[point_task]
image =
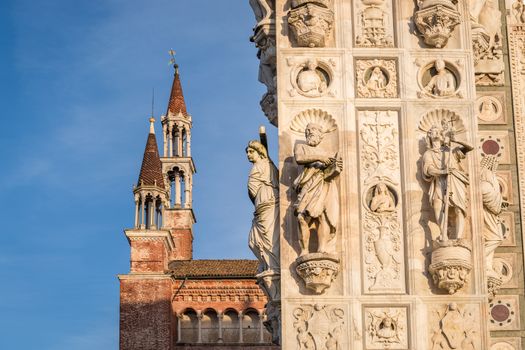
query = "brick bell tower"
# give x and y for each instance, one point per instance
(178, 169)
(162, 231)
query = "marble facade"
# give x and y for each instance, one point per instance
(414, 236)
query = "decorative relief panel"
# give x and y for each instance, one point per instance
(319, 327)
(373, 23)
(386, 328)
(436, 20)
(376, 78)
(455, 327)
(311, 77)
(490, 108)
(439, 79)
(495, 143)
(504, 313)
(487, 42)
(382, 237)
(311, 22)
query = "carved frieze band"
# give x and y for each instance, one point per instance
(382, 242)
(517, 67)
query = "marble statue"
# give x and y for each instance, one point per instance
(309, 81)
(442, 168)
(318, 198)
(263, 189)
(443, 83)
(493, 204)
(382, 200)
(377, 80)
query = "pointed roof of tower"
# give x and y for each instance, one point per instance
(151, 169)
(176, 103)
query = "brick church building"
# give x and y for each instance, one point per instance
(168, 300)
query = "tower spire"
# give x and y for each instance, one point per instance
(176, 103)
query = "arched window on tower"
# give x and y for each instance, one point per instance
(176, 178)
(184, 143)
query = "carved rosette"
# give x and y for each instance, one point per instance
(319, 327)
(451, 264)
(311, 22)
(436, 21)
(318, 270)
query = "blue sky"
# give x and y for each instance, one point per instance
(76, 80)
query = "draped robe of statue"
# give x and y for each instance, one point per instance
(436, 159)
(318, 194)
(263, 189)
(492, 205)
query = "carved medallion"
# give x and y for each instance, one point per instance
(439, 79)
(376, 78)
(386, 328)
(489, 110)
(311, 77)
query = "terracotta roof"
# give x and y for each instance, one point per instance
(214, 268)
(176, 103)
(151, 169)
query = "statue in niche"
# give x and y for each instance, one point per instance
(318, 198)
(518, 11)
(493, 204)
(442, 168)
(377, 80)
(382, 200)
(443, 84)
(309, 80)
(263, 189)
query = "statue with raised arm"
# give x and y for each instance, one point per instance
(317, 204)
(448, 180)
(263, 190)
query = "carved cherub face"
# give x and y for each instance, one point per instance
(314, 134)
